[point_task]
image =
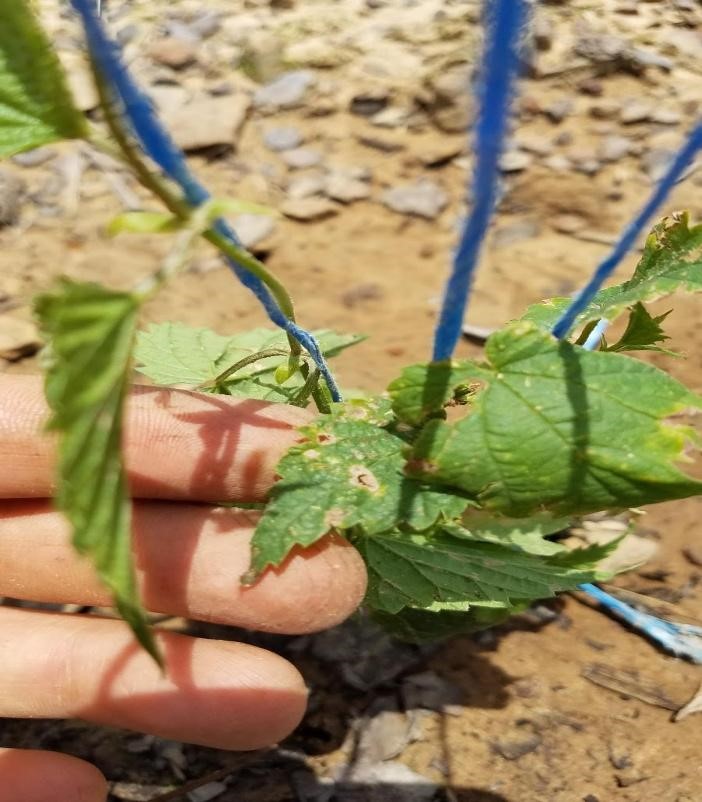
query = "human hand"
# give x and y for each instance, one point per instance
(182, 449)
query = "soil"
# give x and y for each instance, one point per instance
(527, 724)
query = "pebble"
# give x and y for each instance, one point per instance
(301, 158)
(18, 338)
(605, 110)
(665, 117)
(12, 189)
(316, 51)
(534, 143)
(635, 111)
(391, 117)
(614, 147)
(559, 110)
(515, 749)
(424, 198)
(286, 91)
(34, 157)
(345, 188)
(512, 233)
(514, 161)
(430, 691)
(206, 792)
(173, 52)
(206, 23)
(253, 229)
(389, 781)
(308, 209)
(656, 161)
(567, 223)
(207, 121)
(282, 137)
(306, 185)
(366, 104)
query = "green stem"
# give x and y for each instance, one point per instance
(242, 363)
(183, 211)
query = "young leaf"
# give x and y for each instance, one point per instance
(643, 332)
(671, 261)
(526, 534)
(172, 353)
(562, 430)
(143, 223)
(418, 625)
(424, 390)
(91, 332)
(420, 571)
(35, 105)
(347, 473)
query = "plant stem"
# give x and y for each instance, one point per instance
(242, 363)
(159, 187)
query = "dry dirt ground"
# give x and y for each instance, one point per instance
(509, 715)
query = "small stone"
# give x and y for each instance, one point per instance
(34, 157)
(285, 92)
(388, 781)
(516, 749)
(174, 53)
(665, 117)
(18, 338)
(12, 189)
(424, 198)
(207, 121)
(383, 144)
(308, 209)
(440, 154)
(301, 158)
(430, 691)
(345, 188)
(559, 110)
(515, 232)
(602, 48)
(591, 86)
(206, 23)
(361, 293)
(307, 185)
(369, 103)
(655, 162)
(126, 34)
(391, 117)
(558, 163)
(605, 110)
(253, 229)
(534, 143)
(567, 223)
(282, 137)
(613, 148)
(635, 111)
(316, 51)
(514, 161)
(206, 792)
(542, 32)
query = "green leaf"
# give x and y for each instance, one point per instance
(422, 625)
(671, 261)
(424, 390)
(421, 571)
(175, 354)
(143, 223)
(347, 473)
(35, 105)
(91, 333)
(643, 332)
(526, 534)
(562, 430)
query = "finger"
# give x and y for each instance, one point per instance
(178, 444)
(29, 776)
(214, 693)
(190, 560)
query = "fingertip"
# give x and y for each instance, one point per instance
(31, 776)
(314, 589)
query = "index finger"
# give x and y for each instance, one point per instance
(178, 444)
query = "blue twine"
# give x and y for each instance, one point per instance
(160, 147)
(682, 640)
(500, 65)
(631, 233)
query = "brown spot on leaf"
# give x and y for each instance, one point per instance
(365, 478)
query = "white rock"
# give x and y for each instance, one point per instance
(514, 161)
(301, 158)
(253, 228)
(207, 121)
(286, 91)
(345, 188)
(424, 198)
